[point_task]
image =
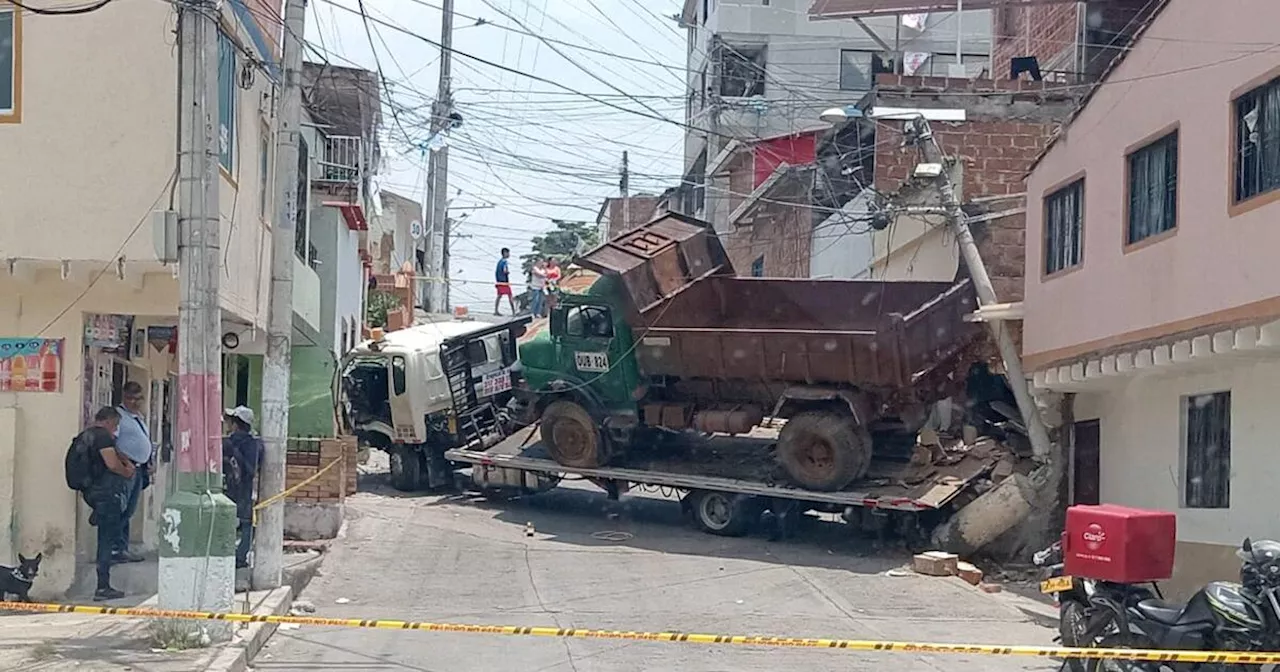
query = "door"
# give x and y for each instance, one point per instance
(588, 347)
(1087, 463)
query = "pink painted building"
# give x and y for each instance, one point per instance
(1153, 278)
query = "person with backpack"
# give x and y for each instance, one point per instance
(103, 477)
(241, 451)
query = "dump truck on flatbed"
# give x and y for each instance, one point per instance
(656, 335)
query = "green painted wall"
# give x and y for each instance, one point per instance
(310, 392)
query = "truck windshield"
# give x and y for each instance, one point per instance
(365, 386)
(589, 322)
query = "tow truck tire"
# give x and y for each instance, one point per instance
(723, 514)
(571, 436)
(406, 469)
(824, 451)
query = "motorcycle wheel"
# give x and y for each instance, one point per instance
(1073, 622)
(1118, 640)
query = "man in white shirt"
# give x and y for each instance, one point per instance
(133, 442)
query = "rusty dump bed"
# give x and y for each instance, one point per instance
(695, 319)
(744, 464)
(865, 333)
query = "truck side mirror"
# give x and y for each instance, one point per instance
(558, 320)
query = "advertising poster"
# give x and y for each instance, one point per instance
(30, 364)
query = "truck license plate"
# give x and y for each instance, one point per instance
(597, 362)
(495, 383)
(1057, 584)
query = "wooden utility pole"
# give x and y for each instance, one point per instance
(438, 162)
(268, 543)
(197, 537)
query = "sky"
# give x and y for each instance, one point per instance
(528, 151)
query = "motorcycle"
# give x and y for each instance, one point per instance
(1222, 616)
(1080, 622)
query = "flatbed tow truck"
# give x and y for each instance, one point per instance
(908, 498)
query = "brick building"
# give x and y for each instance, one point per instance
(1073, 42)
(1006, 126)
(613, 218)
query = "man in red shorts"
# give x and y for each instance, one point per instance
(502, 280)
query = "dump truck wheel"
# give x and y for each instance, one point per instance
(571, 436)
(406, 469)
(823, 451)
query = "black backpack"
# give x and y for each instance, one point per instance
(78, 464)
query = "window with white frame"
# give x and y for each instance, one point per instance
(8, 60)
(226, 100)
(1206, 451)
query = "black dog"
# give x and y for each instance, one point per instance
(17, 580)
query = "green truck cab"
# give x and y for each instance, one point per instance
(654, 333)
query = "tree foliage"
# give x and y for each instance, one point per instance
(564, 242)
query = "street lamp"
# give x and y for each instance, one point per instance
(839, 115)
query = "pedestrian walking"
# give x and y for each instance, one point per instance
(537, 288)
(102, 476)
(502, 280)
(241, 453)
(133, 442)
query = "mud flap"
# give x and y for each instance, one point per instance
(439, 473)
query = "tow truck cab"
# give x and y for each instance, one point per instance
(418, 392)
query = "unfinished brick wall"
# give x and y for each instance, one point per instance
(785, 242)
(303, 460)
(1048, 32)
(402, 286)
(1007, 125)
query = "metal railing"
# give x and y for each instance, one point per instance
(342, 161)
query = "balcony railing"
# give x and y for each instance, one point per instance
(342, 161)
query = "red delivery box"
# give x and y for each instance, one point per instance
(1116, 543)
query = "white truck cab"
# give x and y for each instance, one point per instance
(396, 393)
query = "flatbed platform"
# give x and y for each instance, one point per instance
(745, 465)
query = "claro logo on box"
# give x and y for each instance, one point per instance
(1094, 536)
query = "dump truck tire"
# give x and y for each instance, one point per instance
(823, 451)
(571, 436)
(406, 469)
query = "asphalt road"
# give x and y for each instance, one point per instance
(456, 559)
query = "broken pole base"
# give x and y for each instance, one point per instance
(990, 515)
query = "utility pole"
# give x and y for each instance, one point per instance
(268, 542)
(198, 533)
(626, 196)
(1042, 448)
(438, 163)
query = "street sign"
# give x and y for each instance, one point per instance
(415, 230)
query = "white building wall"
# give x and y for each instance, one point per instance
(1142, 429)
(841, 246)
(350, 286)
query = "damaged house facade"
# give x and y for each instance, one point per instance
(1151, 281)
(760, 164)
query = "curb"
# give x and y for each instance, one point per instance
(249, 641)
(1045, 615)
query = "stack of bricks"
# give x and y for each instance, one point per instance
(330, 488)
(402, 286)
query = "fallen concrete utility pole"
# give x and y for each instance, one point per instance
(1012, 500)
(268, 542)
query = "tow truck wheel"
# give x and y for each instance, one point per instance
(406, 469)
(824, 451)
(571, 436)
(722, 513)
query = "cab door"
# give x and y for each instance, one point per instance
(588, 344)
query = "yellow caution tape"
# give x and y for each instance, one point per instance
(1235, 657)
(289, 491)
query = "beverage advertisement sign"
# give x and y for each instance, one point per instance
(30, 364)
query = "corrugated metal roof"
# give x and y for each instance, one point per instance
(659, 259)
